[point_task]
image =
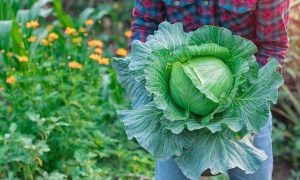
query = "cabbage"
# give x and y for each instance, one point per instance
(198, 97)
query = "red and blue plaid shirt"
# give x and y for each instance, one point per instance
(262, 21)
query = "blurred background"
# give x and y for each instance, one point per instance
(59, 94)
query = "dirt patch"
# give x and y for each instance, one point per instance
(281, 171)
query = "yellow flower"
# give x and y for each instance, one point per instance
(32, 24)
(89, 22)
(98, 50)
(75, 65)
(52, 36)
(128, 33)
(49, 27)
(82, 30)
(13, 69)
(70, 30)
(11, 80)
(45, 42)
(32, 39)
(95, 57)
(95, 43)
(77, 40)
(86, 34)
(122, 52)
(23, 59)
(104, 61)
(2, 51)
(9, 54)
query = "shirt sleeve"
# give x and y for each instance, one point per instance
(147, 14)
(271, 29)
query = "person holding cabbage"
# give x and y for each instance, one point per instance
(264, 22)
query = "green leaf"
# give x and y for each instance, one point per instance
(36, 8)
(239, 48)
(64, 18)
(5, 29)
(136, 90)
(217, 153)
(253, 104)
(84, 15)
(186, 52)
(144, 125)
(23, 16)
(15, 34)
(168, 36)
(157, 83)
(267, 84)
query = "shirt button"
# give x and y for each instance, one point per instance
(176, 3)
(206, 3)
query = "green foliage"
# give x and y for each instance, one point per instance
(58, 103)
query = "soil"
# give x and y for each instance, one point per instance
(281, 171)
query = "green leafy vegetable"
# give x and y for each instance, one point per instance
(193, 92)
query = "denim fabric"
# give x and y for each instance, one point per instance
(168, 170)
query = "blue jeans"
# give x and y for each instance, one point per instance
(168, 170)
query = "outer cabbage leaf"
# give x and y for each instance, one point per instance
(217, 153)
(168, 36)
(187, 52)
(136, 90)
(144, 125)
(239, 48)
(157, 83)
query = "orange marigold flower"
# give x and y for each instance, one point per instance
(98, 50)
(89, 22)
(52, 36)
(32, 39)
(9, 54)
(1, 88)
(128, 33)
(95, 43)
(70, 30)
(49, 27)
(32, 24)
(11, 80)
(75, 65)
(23, 59)
(95, 57)
(82, 30)
(77, 40)
(122, 52)
(45, 42)
(104, 61)
(76, 33)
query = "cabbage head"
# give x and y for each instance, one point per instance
(198, 98)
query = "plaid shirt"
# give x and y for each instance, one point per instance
(262, 21)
